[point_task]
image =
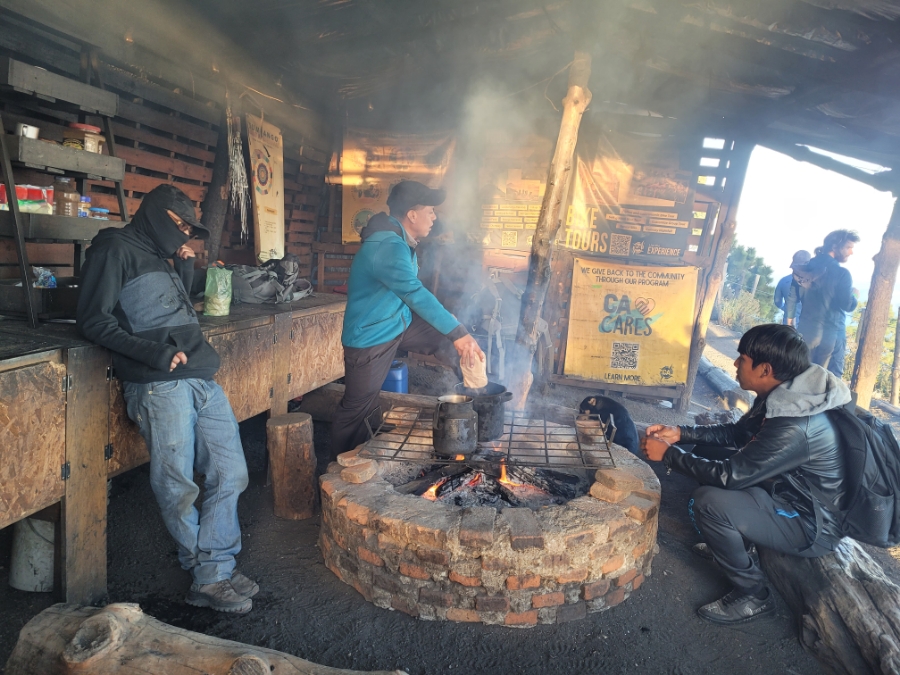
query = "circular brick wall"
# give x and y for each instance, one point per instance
(510, 566)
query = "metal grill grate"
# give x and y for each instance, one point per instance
(528, 441)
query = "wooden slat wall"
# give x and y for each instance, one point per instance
(166, 134)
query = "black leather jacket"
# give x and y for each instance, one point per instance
(779, 454)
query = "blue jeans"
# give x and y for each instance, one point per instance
(189, 426)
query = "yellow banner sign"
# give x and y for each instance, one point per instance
(630, 324)
(267, 187)
(373, 162)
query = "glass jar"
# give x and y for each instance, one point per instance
(84, 208)
(99, 214)
(66, 198)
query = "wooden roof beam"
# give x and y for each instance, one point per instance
(886, 181)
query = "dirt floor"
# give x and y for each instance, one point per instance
(303, 609)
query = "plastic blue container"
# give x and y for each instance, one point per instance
(397, 379)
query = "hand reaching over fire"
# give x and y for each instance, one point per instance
(468, 350)
(657, 440)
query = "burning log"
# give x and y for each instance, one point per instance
(70, 639)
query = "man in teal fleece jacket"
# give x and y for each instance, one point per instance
(388, 309)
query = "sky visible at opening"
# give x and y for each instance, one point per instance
(788, 205)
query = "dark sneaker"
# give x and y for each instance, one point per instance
(244, 585)
(736, 607)
(219, 596)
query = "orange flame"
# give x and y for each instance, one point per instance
(431, 493)
(459, 458)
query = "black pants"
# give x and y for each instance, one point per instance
(730, 520)
(364, 372)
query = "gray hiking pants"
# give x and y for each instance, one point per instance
(365, 370)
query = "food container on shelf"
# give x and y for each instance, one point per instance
(83, 137)
(28, 130)
(99, 214)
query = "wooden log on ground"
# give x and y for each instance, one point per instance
(120, 638)
(848, 610)
(293, 460)
(578, 97)
(725, 386)
(875, 321)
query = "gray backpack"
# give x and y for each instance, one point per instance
(276, 281)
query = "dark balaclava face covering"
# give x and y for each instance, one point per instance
(155, 226)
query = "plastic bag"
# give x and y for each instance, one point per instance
(44, 278)
(217, 297)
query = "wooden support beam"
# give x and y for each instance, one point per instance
(215, 206)
(873, 327)
(885, 181)
(711, 283)
(83, 540)
(577, 99)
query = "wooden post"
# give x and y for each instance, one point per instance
(292, 458)
(215, 206)
(83, 523)
(713, 280)
(874, 324)
(895, 370)
(576, 101)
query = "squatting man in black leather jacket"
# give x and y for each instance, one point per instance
(760, 494)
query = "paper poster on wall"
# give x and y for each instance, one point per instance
(630, 324)
(630, 197)
(266, 187)
(373, 162)
(512, 180)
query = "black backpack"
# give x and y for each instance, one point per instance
(872, 477)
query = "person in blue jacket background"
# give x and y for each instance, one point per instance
(783, 287)
(388, 309)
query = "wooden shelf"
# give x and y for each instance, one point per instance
(46, 156)
(54, 228)
(53, 88)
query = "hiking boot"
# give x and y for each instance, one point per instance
(737, 607)
(219, 596)
(244, 585)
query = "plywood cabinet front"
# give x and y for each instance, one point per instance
(32, 439)
(246, 371)
(317, 356)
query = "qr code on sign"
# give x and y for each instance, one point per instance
(620, 244)
(625, 355)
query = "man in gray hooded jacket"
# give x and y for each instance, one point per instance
(760, 494)
(136, 304)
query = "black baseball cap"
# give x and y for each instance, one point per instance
(408, 194)
(181, 205)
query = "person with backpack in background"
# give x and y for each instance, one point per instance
(136, 304)
(826, 291)
(388, 309)
(784, 451)
(783, 287)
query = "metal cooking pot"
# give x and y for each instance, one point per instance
(454, 431)
(489, 403)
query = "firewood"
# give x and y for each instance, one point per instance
(120, 638)
(848, 610)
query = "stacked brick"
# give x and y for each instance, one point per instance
(511, 566)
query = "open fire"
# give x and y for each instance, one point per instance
(525, 530)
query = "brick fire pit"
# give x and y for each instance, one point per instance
(510, 566)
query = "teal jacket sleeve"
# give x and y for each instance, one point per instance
(393, 267)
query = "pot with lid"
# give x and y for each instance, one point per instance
(490, 403)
